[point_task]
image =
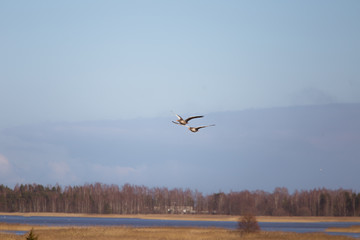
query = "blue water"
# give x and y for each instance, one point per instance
(137, 222)
(14, 232)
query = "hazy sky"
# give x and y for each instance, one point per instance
(76, 61)
(85, 60)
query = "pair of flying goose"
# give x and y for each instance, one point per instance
(184, 122)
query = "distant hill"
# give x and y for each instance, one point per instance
(296, 147)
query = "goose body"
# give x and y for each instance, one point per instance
(182, 121)
(195, 129)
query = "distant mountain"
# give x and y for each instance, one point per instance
(296, 147)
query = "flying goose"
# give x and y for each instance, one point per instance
(181, 121)
(195, 129)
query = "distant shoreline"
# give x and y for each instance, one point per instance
(188, 217)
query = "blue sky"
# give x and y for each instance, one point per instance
(77, 62)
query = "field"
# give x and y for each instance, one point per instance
(168, 233)
(164, 233)
(352, 229)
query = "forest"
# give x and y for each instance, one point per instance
(133, 199)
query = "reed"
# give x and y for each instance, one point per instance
(7, 236)
(351, 229)
(163, 233)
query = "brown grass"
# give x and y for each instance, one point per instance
(351, 229)
(307, 219)
(162, 233)
(195, 217)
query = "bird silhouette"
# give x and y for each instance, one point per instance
(182, 121)
(195, 129)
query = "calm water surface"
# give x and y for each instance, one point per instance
(137, 222)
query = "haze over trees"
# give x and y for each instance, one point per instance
(305, 147)
(133, 199)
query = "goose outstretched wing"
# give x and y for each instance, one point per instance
(180, 118)
(205, 126)
(188, 119)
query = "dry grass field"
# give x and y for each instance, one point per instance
(169, 233)
(352, 229)
(159, 233)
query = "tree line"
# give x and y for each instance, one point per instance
(133, 199)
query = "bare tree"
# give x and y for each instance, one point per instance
(132, 199)
(248, 224)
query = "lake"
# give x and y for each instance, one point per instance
(137, 222)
